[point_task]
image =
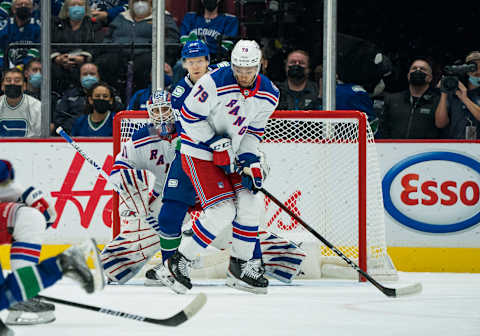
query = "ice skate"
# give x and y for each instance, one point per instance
(33, 311)
(73, 263)
(247, 276)
(178, 266)
(160, 276)
(4, 330)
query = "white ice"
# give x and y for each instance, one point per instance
(448, 305)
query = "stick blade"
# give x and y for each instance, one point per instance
(187, 313)
(409, 290)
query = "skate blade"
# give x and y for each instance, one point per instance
(175, 286)
(234, 283)
(29, 318)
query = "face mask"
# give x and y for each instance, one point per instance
(35, 80)
(474, 80)
(23, 13)
(141, 8)
(101, 106)
(418, 78)
(210, 5)
(76, 12)
(13, 91)
(88, 81)
(296, 72)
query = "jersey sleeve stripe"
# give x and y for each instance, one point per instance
(228, 88)
(273, 102)
(268, 94)
(190, 117)
(154, 140)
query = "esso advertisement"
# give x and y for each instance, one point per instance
(434, 192)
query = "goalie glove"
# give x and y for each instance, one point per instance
(35, 198)
(223, 155)
(251, 171)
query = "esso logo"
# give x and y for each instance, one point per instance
(435, 192)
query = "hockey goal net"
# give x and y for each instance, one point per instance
(324, 167)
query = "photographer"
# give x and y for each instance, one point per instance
(459, 106)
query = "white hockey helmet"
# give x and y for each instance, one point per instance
(159, 107)
(246, 53)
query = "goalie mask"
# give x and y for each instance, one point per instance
(160, 112)
(245, 60)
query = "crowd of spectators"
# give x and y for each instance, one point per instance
(111, 70)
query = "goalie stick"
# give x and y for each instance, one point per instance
(80, 151)
(390, 292)
(185, 314)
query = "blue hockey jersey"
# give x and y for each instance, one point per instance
(10, 32)
(84, 127)
(195, 27)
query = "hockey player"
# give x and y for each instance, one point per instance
(24, 216)
(145, 158)
(223, 120)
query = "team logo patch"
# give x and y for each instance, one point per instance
(221, 185)
(178, 92)
(172, 183)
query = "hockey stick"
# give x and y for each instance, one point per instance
(391, 292)
(185, 314)
(67, 137)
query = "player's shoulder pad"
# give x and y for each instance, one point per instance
(266, 85)
(144, 132)
(222, 76)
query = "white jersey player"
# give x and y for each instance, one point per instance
(25, 214)
(145, 158)
(223, 121)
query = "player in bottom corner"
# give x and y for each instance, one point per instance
(223, 120)
(24, 216)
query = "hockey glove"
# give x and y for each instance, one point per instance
(35, 198)
(223, 155)
(251, 172)
(6, 172)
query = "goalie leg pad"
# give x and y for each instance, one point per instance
(134, 196)
(124, 257)
(282, 258)
(170, 222)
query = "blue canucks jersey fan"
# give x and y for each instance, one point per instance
(210, 25)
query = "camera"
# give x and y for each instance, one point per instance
(453, 72)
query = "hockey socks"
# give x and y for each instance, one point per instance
(24, 254)
(170, 220)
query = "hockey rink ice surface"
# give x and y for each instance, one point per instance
(448, 305)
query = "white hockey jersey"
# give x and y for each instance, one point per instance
(217, 106)
(146, 150)
(23, 120)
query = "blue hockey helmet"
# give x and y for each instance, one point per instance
(195, 49)
(6, 171)
(159, 107)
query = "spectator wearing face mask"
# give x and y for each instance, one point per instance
(33, 75)
(72, 103)
(73, 25)
(297, 92)
(20, 114)
(99, 112)
(20, 27)
(410, 114)
(129, 71)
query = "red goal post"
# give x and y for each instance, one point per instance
(324, 166)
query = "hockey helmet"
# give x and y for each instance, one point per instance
(196, 48)
(6, 171)
(159, 107)
(246, 53)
